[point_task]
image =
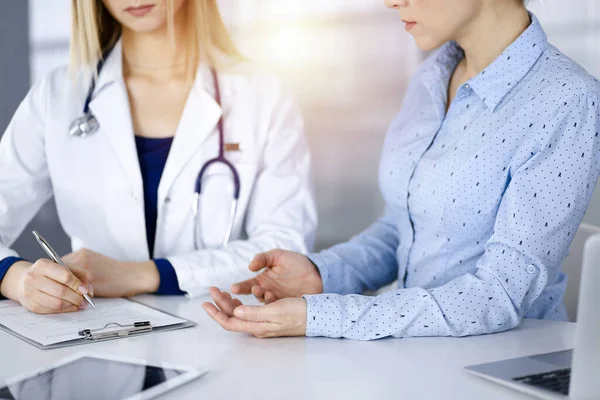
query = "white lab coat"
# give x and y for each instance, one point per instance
(98, 188)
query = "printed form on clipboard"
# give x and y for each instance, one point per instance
(112, 319)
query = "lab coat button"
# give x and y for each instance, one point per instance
(531, 269)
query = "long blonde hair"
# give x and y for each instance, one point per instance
(94, 31)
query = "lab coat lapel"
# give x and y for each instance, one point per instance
(111, 109)
(110, 106)
(198, 120)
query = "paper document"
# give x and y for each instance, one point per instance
(58, 328)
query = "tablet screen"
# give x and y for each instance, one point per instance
(91, 379)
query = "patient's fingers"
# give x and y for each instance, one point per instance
(270, 298)
(223, 301)
(237, 303)
(259, 293)
(244, 287)
(265, 260)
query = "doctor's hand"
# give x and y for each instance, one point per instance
(285, 317)
(46, 287)
(286, 274)
(114, 278)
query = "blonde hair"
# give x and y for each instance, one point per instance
(94, 31)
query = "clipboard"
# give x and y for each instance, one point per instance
(111, 331)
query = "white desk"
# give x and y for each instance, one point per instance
(243, 367)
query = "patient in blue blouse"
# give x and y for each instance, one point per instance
(486, 174)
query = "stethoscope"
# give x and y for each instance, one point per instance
(87, 124)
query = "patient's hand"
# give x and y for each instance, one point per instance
(285, 317)
(286, 274)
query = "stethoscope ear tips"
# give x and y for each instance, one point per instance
(83, 126)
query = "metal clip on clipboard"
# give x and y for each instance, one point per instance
(121, 331)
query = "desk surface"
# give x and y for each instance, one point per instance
(244, 367)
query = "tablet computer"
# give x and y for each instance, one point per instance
(95, 376)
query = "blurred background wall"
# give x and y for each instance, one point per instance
(347, 61)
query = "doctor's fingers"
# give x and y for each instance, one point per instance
(61, 275)
(86, 277)
(37, 308)
(43, 303)
(33, 286)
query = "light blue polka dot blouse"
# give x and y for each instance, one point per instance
(482, 202)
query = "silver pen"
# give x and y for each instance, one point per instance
(52, 254)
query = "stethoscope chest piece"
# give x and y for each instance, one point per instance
(85, 125)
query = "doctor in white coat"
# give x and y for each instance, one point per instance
(170, 85)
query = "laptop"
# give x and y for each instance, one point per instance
(566, 374)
